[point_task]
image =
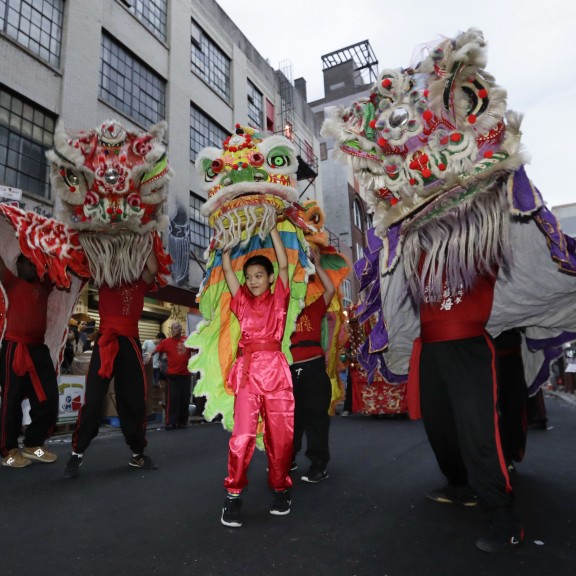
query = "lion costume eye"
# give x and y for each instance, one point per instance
(71, 178)
(211, 168)
(279, 157)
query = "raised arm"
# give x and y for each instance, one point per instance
(281, 256)
(229, 274)
(150, 268)
(329, 289)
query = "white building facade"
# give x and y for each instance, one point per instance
(140, 62)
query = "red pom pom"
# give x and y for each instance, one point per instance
(455, 137)
(382, 142)
(426, 173)
(386, 83)
(488, 154)
(427, 115)
(393, 201)
(412, 181)
(472, 118)
(372, 123)
(442, 166)
(483, 93)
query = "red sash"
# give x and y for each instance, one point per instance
(23, 364)
(109, 330)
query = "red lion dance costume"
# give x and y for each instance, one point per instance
(112, 185)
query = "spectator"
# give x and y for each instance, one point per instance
(179, 379)
(149, 355)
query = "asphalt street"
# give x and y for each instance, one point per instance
(369, 518)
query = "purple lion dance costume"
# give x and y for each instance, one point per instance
(440, 159)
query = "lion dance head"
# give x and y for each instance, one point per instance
(111, 182)
(248, 183)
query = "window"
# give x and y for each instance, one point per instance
(269, 116)
(346, 290)
(129, 85)
(210, 63)
(36, 24)
(255, 106)
(359, 251)
(323, 151)
(204, 132)
(152, 13)
(199, 229)
(358, 219)
(26, 132)
(310, 157)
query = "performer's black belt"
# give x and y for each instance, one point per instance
(306, 344)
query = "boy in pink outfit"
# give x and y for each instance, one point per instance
(260, 378)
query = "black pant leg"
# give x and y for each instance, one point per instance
(299, 390)
(90, 414)
(185, 389)
(312, 396)
(130, 385)
(11, 408)
(438, 416)
(43, 413)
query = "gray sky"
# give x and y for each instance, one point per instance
(531, 53)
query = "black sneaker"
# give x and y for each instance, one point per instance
(72, 466)
(143, 462)
(315, 474)
(231, 512)
(281, 503)
(502, 537)
(293, 466)
(459, 495)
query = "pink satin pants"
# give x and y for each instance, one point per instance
(277, 409)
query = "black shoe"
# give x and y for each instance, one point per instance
(502, 537)
(231, 512)
(281, 503)
(72, 466)
(143, 462)
(293, 466)
(315, 474)
(459, 495)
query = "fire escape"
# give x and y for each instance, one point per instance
(307, 160)
(363, 57)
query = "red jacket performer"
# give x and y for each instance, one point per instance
(179, 381)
